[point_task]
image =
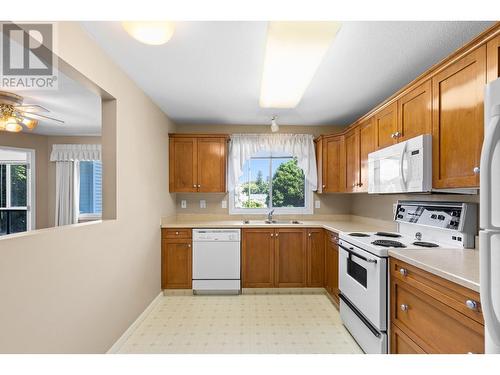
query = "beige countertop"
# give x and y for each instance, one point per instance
(460, 266)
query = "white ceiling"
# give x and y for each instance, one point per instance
(210, 72)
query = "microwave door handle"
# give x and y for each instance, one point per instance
(401, 160)
(491, 139)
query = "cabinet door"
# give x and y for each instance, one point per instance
(211, 165)
(366, 145)
(386, 125)
(402, 344)
(290, 261)
(332, 164)
(176, 264)
(318, 144)
(352, 163)
(457, 123)
(493, 59)
(415, 112)
(257, 258)
(332, 265)
(315, 257)
(182, 165)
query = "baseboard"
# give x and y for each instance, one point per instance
(283, 291)
(119, 343)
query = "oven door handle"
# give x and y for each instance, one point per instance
(367, 260)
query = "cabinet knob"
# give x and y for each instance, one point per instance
(324, 186)
(403, 271)
(199, 185)
(397, 135)
(189, 245)
(272, 234)
(194, 185)
(476, 170)
(177, 233)
(309, 234)
(404, 307)
(393, 135)
(471, 304)
(277, 234)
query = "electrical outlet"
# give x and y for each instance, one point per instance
(317, 204)
(183, 203)
(203, 203)
(223, 204)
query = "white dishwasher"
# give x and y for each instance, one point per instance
(216, 261)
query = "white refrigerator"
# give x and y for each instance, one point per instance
(489, 235)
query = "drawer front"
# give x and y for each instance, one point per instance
(332, 237)
(437, 327)
(461, 299)
(176, 233)
(401, 343)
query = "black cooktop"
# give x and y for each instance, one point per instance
(425, 244)
(355, 234)
(387, 234)
(388, 243)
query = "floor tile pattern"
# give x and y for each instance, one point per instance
(248, 323)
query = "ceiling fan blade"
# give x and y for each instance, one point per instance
(37, 116)
(31, 108)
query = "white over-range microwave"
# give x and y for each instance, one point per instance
(405, 167)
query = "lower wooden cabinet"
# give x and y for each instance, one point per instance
(176, 259)
(332, 265)
(257, 258)
(315, 257)
(431, 315)
(290, 261)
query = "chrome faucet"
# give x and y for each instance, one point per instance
(270, 215)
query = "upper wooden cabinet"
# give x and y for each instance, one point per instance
(197, 163)
(352, 160)
(415, 112)
(366, 145)
(493, 59)
(457, 122)
(330, 164)
(386, 125)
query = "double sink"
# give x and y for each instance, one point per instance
(253, 222)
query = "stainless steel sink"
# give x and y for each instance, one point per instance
(271, 222)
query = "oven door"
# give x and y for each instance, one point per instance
(363, 281)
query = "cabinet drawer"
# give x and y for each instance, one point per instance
(176, 233)
(332, 237)
(451, 294)
(437, 327)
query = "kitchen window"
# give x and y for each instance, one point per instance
(90, 191)
(271, 181)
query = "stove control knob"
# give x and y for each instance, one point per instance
(403, 272)
(472, 305)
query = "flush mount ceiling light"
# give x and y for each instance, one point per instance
(274, 124)
(14, 116)
(150, 32)
(293, 53)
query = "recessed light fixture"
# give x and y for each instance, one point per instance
(294, 51)
(150, 32)
(274, 124)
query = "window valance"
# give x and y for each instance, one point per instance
(76, 152)
(243, 146)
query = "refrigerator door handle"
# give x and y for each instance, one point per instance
(490, 316)
(491, 138)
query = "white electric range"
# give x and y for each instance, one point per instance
(363, 273)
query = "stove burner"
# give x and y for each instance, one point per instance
(387, 243)
(359, 234)
(386, 234)
(425, 244)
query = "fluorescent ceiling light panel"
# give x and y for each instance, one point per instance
(294, 51)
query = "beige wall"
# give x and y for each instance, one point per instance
(77, 288)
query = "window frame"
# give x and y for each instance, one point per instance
(308, 197)
(85, 217)
(30, 185)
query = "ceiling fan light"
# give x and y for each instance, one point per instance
(30, 123)
(12, 125)
(274, 125)
(2, 124)
(150, 32)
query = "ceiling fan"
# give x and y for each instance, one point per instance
(16, 116)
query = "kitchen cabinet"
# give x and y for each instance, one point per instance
(176, 259)
(197, 163)
(415, 112)
(290, 261)
(493, 59)
(332, 265)
(366, 145)
(332, 164)
(457, 124)
(386, 125)
(315, 257)
(257, 258)
(352, 162)
(431, 314)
